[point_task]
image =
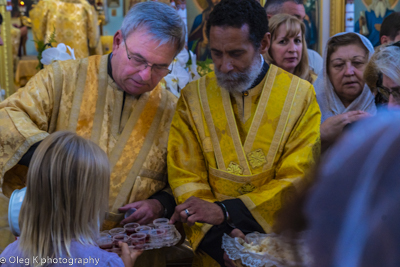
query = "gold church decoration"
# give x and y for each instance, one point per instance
(6, 58)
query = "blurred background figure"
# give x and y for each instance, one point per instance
(382, 75)
(390, 29)
(342, 94)
(353, 210)
(74, 22)
(288, 49)
(371, 20)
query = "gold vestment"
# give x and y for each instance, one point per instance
(256, 148)
(80, 96)
(74, 21)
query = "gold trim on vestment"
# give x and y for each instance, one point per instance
(22, 149)
(101, 100)
(209, 120)
(283, 120)
(126, 133)
(57, 92)
(89, 98)
(238, 178)
(257, 216)
(190, 187)
(130, 102)
(261, 107)
(78, 94)
(144, 151)
(117, 107)
(234, 133)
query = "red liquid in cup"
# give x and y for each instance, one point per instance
(118, 238)
(106, 246)
(130, 231)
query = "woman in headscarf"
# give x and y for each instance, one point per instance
(342, 94)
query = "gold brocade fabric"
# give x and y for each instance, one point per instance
(75, 23)
(89, 103)
(256, 147)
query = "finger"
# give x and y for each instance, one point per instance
(196, 218)
(175, 218)
(228, 262)
(135, 205)
(124, 248)
(183, 216)
(237, 233)
(135, 217)
(135, 254)
(358, 117)
(182, 207)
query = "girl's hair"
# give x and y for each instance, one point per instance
(343, 40)
(293, 27)
(66, 197)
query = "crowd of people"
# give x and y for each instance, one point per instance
(95, 137)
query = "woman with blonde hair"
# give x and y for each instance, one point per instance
(65, 203)
(288, 49)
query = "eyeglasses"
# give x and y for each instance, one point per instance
(142, 64)
(386, 92)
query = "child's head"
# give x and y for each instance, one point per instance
(66, 196)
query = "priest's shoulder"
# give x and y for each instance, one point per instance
(192, 87)
(304, 85)
(92, 64)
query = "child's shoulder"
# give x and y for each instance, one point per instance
(94, 256)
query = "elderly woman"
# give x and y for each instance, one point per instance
(342, 94)
(382, 75)
(288, 48)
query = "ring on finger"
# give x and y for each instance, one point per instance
(188, 213)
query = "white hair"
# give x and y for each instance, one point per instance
(387, 61)
(161, 20)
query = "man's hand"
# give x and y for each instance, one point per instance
(146, 211)
(235, 233)
(199, 211)
(333, 126)
(128, 256)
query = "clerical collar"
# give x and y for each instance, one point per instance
(260, 77)
(109, 67)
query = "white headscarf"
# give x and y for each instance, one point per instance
(329, 102)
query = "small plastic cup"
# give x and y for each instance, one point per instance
(105, 243)
(129, 212)
(169, 234)
(138, 240)
(157, 238)
(105, 234)
(130, 228)
(144, 229)
(160, 221)
(117, 231)
(120, 237)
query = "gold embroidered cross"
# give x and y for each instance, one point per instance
(246, 188)
(256, 158)
(235, 168)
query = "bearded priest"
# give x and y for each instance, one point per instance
(242, 137)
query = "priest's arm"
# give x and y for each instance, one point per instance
(24, 121)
